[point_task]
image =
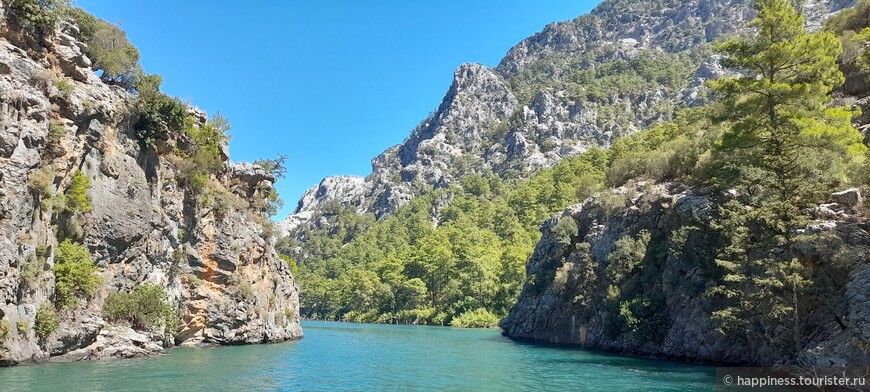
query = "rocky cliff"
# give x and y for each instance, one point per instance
(575, 84)
(569, 296)
(345, 190)
(222, 276)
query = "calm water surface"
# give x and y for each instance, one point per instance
(362, 357)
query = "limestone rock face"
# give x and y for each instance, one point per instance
(445, 145)
(224, 279)
(573, 311)
(345, 190)
(530, 112)
(672, 26)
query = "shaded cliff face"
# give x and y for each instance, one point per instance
(656, 241)
(574, 85)
(222, 276)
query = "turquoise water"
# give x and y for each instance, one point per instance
(363, 357)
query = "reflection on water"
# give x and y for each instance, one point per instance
(336, 356)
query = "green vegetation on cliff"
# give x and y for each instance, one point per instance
(38, 16)
(46, 321)
(147, 306)
(76, 197)
(112, 54)
(407, 268)
(456, 255)
(75, 274)
(454, 251)
(785, 148)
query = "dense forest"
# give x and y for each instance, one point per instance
(777, 135)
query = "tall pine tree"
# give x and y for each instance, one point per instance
(786, 148)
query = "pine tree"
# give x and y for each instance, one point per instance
(77, 197)
(786, 148)
(786, 140)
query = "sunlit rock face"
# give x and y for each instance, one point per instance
(224, 279)
(533, 109)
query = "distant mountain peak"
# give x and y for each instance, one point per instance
(552, 97)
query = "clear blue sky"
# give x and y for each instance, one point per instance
(331, 84)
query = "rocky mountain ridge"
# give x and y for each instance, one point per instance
(223, 278)
(552, 97)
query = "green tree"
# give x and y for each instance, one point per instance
(276, 166)
(321, 295)
(146, 307)
(158, 113)
(565, 230)
(477, 254)
(584, 272)
(512, 274)
(785, 149)
(148, 87)
(77, 197)
(273, 202)
(46, 321)
(74, 272)
(39, 16)
(113, 54)
(786, 140)
(362, 291)
(432, 261)
(627, 255)
(410, 294)
(477, 318)
(294, 268)
(207, 140)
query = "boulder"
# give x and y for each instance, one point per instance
(849, 197)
